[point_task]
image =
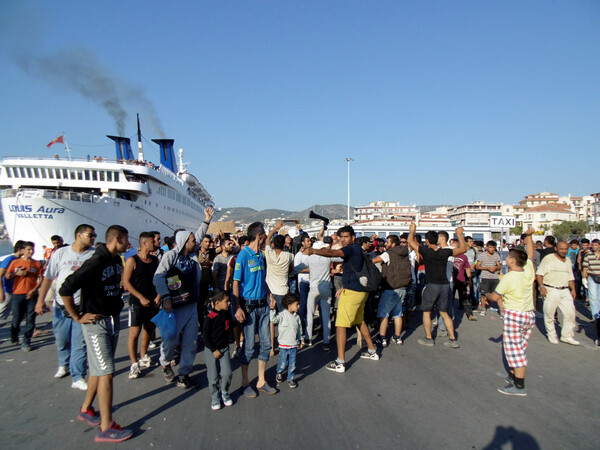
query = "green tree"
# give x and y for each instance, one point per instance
(517, 231)
(568, 229)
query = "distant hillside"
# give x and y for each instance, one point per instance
(247, 215)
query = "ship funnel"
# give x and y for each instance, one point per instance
(167, 156)
(123, 147)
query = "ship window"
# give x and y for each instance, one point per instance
(80, 174)
(9, 172)
(21, 172)
(109, 176)
(87, 175)
(29, 172)
(101, 175)
(94, 175)
(36, 172)
(50, 173)
(72, 175)
(65, 174)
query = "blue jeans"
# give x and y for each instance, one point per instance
(391, 303)
(215, 368)
(186, 318)
(70, 343)
(5, 307)
(256, 320)
(22, 307)
(594, 297)
(287, 360)
(303, 289)
(319, 295)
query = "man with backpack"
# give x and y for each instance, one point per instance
(396, 278)
(359, 277)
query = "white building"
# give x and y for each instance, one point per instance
(473, 214)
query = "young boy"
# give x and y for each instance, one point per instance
(290, 334)
(515, 299)
(216, 351)
(490, 264)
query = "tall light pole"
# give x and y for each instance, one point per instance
(349, 160)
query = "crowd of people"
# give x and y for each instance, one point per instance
(214, 291)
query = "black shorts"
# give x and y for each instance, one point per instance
(436, 294)
(488, 285)
(140, 315)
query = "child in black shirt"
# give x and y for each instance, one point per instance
(216, 352)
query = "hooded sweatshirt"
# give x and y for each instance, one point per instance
(189, 265)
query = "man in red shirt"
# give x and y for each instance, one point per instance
(27, 275)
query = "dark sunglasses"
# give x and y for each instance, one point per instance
(90, 235)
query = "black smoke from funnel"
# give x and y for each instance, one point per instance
(80, 71)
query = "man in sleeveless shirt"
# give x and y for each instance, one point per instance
(143, 301)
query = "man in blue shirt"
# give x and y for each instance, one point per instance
(7, 285)
(252, 308)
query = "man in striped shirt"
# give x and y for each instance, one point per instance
(591, 281)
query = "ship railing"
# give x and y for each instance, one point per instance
(52, 195)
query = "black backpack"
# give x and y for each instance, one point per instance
(369, 276)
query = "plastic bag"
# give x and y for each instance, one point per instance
(166, 324)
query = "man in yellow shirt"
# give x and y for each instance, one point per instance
(515, 299)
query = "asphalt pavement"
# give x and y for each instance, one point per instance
(413, 397)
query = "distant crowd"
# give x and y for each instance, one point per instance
(207, 292)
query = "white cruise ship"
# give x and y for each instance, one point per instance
(46, 196)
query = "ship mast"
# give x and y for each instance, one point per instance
(139, 133)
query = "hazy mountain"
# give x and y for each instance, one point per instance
(247, 215)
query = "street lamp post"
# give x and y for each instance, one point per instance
(349, 160)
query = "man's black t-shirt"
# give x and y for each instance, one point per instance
(353, 263)
(435, 262)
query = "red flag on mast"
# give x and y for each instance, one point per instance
(58, 140)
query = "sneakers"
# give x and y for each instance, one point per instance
(569, 340)
(452, 343)
(267, 389)
(26, 347)
(482, 313)
(553, 340)
(309, 343)
(90, 415)
(80, 384)
(597, 342)
(473, 318)
(226, 399)
(168, 374)
(236, 352)
(396, 340)
(62, 372)
(369, 355)
(434, 321)
(184, 381)
(427, 342)
(334, 366)
(442, 333)
(215, 405)
(114, 433)
(146, 362)
(293, 384)
(509, 379)
(134, 371)
(511, 389)
(381, 341)
(279, 378)
(151, 345)
(326, 347)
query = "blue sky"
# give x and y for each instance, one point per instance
(437, 102)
